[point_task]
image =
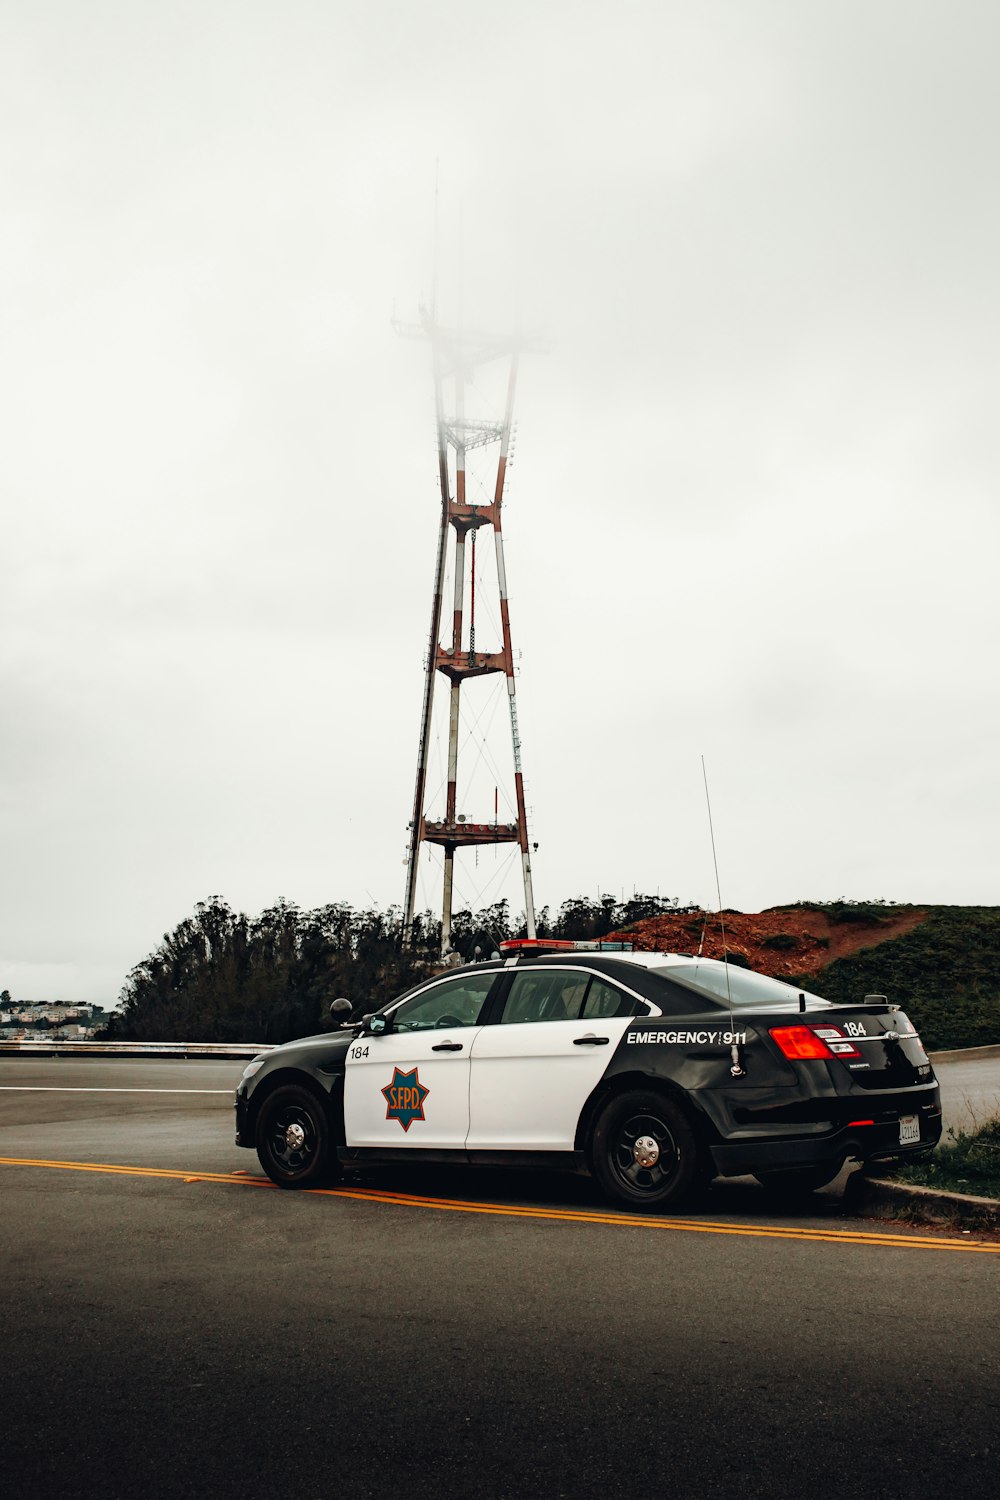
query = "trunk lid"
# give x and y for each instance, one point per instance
(876, 1044)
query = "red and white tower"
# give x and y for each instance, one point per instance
(461, 658)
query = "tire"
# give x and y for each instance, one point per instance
(293, 1138)
(794, 1180)
(620, 1149)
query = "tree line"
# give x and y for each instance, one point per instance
(223, 976)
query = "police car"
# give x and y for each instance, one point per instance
(654, 1071)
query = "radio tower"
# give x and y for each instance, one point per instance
(455, 357)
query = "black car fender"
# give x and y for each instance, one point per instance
(327, 1085)
(614, 1084)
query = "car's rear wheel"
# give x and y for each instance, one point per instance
(293, 1138)
(799, 1179)
(644, 1151)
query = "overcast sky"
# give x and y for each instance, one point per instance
(753, 511)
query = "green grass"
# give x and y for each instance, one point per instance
(966, 1161)
(945, 973)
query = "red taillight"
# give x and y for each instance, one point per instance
(805, 1042)
(837, 1041)
(799, 1042)
(852, 1123)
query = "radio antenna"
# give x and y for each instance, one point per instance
(737, 1069)
(434, 267)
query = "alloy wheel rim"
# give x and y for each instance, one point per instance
(645, 1156)
(293, 1138)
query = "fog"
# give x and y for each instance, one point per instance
(752, 514)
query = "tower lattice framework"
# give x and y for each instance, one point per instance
(455, 357)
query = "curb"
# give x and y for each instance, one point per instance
(866, 1195)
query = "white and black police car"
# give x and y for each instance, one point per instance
(654, 1071)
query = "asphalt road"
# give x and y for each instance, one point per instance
(179, 1330)
(970, 1090)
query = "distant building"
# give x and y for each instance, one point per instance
(35, 1020)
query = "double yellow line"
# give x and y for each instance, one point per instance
(964, 1245)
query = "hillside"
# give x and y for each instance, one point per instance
(942, 963)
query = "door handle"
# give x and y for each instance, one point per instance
(590, 1040)
(447, 1047)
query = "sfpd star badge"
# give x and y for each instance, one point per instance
(404, 1098)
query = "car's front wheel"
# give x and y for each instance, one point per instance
(644, 1151)
(293, 1138)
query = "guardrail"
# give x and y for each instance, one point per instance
(965, 1054)
(251, 1049)
(220, 1050)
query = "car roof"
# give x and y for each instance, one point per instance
(599, 958)
(716, 982)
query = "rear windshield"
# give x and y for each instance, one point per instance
(738, 986)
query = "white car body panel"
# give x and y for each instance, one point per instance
(530, 1081)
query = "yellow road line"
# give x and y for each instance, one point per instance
(558, 1215)
(123, 1170)
(703, 1226)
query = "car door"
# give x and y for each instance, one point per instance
(409, 1088)
(533, 1072)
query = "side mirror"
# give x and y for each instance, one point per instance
(375, 1025)
(341, 1009)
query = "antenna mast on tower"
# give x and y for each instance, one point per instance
(455, 356)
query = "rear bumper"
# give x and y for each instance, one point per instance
(878, 1142)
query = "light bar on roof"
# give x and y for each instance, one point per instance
(562, 945)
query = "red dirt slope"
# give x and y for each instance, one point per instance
(792, 940)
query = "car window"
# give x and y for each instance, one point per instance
(453, 1002)
(545, 995)
(603, 1001)
(738, 986)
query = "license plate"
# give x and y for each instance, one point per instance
(909, 1130)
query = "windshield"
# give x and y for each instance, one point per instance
(738, 986)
